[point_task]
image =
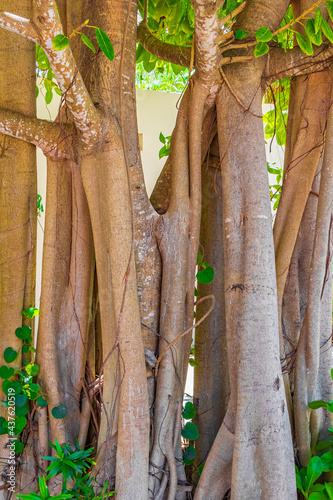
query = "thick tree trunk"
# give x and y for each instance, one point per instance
(18, 197)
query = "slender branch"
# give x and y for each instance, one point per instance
(165, 51)
(50, 137)
(18, 25)
(294, 62)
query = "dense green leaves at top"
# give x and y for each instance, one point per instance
(105, 43)
(60, 42)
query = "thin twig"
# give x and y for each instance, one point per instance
(236, 96)
(188, 330)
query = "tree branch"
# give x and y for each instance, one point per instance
(166, 51)
(294, 62)
(50, 137)
(44, 26)
(18, 25)
(86, 117)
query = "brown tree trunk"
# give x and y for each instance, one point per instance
(18, 195)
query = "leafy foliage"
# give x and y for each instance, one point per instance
(72, 465)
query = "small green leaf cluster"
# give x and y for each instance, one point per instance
(205, 273)
(161, 76)
(48, 83)
(307, 476)
(276, 119)
(72, 465)
(314, 28)
(275, 189)
(61, 41)
(40, 207)
(190, 433)
(18, 385)
(165, 149)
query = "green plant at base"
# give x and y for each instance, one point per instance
(20, 387)
(306, 477)
(72, 466)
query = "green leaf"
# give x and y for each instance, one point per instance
(330, 406)
(189, 411)
(317, 20)
(329, 489)
(9, 355)
(21, 400)
(105, 43)
(88, 42)
(329, 6)
(192, 362)
(199, 259)
(59, 411)
(264, 35)
(25, 349)
(299, 480)
(205, 275)
(48, 97)
(162, 138)
(11, 388)
(20, 423)
(23, 332)
(41, 401)
(189, 455)
(32, 369)
(260, 49)
(6, 372)
(314, 470)
(37, 91)
(317, 487)
(240, 34)
(317, 496)
(31, 312)
(18, 446)
(57, 91)
(60, 42)
(177, 69)
(311, 32)
(317, 404)
(34, 387)
(190, 431)
(326, 29)
(304, 44)
(322, 445)
(3, 429)
(20, 412)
